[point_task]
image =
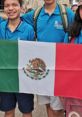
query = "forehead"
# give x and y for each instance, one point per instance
(11, 1)
(74, 7)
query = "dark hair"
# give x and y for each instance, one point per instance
(20, 2)
(76, 27)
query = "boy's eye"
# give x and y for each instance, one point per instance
(6, 5)
(13, 5)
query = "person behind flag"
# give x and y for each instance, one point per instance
(73, 106)
(80, 2)
(49, 28)
(14, 29)
(74, 7)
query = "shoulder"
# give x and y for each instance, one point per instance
(28, 17)
(29, 14)
(70, 13)
(3, 24)
(66, 38)
(26, 26)
(27, 30)
(63, 8)
(1, 19)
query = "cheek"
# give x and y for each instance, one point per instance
(80, 13)
(18, 9)
(5, 9)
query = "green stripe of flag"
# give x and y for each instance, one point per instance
(9, 66)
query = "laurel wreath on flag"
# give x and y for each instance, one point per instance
(36, 69)
(73, 113)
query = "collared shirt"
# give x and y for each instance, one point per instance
(50, 27)
(1, 19)
(77, 40)
(23, 32)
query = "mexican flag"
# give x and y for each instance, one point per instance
(41, 68)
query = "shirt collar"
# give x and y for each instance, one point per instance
(19, 27)
(56, 11)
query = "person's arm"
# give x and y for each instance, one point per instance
(1, 37)
(31, 34)
(66, 39)
(70, 16)
(1, 19)
(28, 17)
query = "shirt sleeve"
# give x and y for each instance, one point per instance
(31, 34)
(70, 15)
(66, 39)
(1, 19)
(28, 17)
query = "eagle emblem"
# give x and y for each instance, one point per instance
(36, 69)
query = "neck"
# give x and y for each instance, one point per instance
(50, 8)
(12, 24)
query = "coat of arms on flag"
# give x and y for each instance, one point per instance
(41, 68)
(36, 69)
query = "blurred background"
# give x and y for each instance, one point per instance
(35, 3)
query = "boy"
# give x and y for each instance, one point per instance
(13, 29)
(50, 29)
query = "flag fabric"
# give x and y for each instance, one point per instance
(41, 68)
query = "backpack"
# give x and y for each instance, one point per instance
(63, 14)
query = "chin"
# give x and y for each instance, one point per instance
(12, 17)
(49, 2)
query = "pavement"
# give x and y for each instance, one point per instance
(39, 111)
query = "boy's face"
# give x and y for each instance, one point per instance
(74, 8)
(49, 1)
(12, 9)
(80, 12)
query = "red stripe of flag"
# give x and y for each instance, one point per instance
(68, 74)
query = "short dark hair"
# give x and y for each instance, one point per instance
(20, 2)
